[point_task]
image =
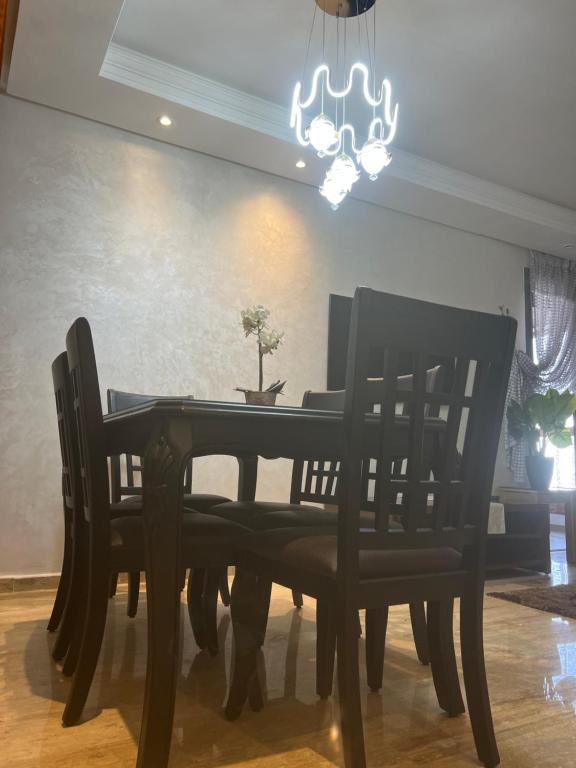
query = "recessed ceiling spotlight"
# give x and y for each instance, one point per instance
(165, 121)
(568, 245)
(300, 164)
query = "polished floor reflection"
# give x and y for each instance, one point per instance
(531, 659)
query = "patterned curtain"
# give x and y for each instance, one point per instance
(553, 292)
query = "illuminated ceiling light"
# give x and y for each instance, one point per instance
(374, 157)
(344, 171)
(300, 164)
(333, 192)
(165, 121)
(322, 134)
(320, 119)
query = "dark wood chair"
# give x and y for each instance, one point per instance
(316, 483)
(114, 544)
(72, 586)
(126, 486)
(439, 552)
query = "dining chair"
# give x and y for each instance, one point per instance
(72, 585)
(439, 551)
(126, 486)
(114, 544)
(316, 483)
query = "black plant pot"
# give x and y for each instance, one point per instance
(539, 470)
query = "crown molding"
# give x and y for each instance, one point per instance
(158, 78)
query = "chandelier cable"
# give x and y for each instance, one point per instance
(309, 43)
(337, 59)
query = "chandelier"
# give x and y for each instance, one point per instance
(343, 115)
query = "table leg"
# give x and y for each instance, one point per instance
(162, 512)
(570, 523)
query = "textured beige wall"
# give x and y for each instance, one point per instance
(160, 248)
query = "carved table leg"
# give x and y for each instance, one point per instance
(162, 515)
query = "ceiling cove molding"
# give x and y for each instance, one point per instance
(145, 73)
(156, 77)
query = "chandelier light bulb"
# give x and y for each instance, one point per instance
(322, 134)
(374, 157)
(344, 171)
(332, 190)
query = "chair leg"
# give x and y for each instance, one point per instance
(471, 636)
(265, 595)
(133, 593)
(65, 576)
(224, 589)
(325, 647)
(249, 603)
(74, 618)
(76, 599)
(442, 657)
(418, 619)
(349, 688)
(94, 624)
(195, 605)
(210, 608)
(73, 650)
(72, 614)
(376, 625)
(113, 584)
(297, 599)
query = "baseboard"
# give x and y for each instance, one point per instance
(9, 584)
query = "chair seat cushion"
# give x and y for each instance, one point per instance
(199, 502)
(318, 553)
(126, 508)
(270, 515)
(128, 531)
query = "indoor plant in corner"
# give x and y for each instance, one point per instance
(542, 418)
(255, 323)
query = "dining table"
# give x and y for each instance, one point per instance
(167, 433)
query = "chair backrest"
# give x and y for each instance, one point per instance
(120, 401)
(87, 414)
(317, 481)
(66, 430)
(454, 500)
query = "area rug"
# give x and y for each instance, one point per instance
(560, 600)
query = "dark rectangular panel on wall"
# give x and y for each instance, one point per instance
(339, 309)
(339, 312)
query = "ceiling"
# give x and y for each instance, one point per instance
(487, 108)
(486, 88)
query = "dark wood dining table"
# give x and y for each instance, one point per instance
(169, 432)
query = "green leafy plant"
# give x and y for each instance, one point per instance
(255, 322)
(542, 418)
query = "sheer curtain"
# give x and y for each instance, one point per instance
(553, 291)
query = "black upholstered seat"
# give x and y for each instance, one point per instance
(200, 531)
(318, 553)
(199, 502)
(268, 515)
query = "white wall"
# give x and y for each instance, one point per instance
(161, 248)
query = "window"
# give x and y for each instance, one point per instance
(564, 464)
(564, 459)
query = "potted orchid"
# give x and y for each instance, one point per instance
(255, 323)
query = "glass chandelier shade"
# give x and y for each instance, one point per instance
(357, 140)
(374, 157)
(322, 134)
